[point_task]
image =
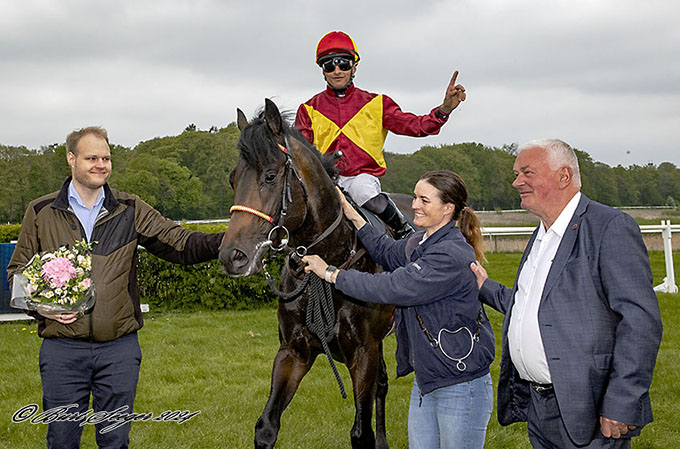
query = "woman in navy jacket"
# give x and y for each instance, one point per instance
(442, 332)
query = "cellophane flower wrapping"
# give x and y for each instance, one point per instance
(56, 282)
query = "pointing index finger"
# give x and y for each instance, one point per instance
(453, 78)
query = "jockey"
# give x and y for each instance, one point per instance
(347, 119)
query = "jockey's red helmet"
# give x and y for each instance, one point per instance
(336, 42)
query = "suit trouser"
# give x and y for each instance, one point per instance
(72, 369)
(547, 431)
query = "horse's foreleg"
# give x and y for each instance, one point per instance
(381, 395)
(364, 369)
(287, 373)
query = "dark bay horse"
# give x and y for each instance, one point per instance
(280, 180)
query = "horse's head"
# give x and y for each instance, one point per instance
(270, 198)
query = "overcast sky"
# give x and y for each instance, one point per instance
(602, 75)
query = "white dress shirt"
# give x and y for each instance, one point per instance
(524, 336)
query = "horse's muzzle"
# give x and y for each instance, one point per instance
(235, 261)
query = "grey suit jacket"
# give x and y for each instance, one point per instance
(600, 324)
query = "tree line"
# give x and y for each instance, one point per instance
(186, 176)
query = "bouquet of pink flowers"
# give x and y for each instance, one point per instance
(56, 282)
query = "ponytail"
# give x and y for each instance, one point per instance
(470, 226)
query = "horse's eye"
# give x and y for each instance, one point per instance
(270, 177)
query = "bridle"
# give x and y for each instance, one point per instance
(286, 200)
(286, 196)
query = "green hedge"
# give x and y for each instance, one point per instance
(9, 232)
(167, 286)
(206, 227)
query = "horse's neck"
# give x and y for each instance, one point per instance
(338, 241)
(323, 209)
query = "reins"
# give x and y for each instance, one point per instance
(320, 319)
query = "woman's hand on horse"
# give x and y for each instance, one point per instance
(350, 212)
(316, 265)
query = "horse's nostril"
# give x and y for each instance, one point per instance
(238, 259)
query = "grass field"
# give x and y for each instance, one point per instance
(220, 363)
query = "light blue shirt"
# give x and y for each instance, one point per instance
(86, 216)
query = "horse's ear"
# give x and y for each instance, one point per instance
(273, 117)
(241, 119)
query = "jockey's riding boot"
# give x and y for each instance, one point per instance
(393, 217)
(388, 212)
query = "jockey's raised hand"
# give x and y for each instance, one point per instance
(455, 94)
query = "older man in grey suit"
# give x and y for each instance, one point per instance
(582, 325)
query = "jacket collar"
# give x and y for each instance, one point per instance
(414, 239)
(563, 251)
(438, 235)
(333, 93)
(566, 245)
(61, 201)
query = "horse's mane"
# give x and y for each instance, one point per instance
(257, 144)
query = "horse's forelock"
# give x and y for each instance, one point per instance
(256, 144)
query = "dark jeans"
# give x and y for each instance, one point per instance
(72, 369)
(547, 431)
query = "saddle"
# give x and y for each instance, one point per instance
(372, 218)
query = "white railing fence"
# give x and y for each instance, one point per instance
(665, 228)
